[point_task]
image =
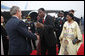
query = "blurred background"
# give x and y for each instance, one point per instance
(52, 8)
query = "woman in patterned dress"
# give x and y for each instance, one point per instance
(70, 33)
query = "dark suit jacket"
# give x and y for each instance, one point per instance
(47, 33)
(18, 34)
(57, 24)
(58, 28)
(77, 20)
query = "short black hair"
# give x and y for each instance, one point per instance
(71, 15)
(61, 12)
(42, 9)
(71, 10)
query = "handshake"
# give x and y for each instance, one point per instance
(39, 25)
(38, 37)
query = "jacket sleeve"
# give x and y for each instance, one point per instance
(23, 29)
(50, 25)
(79, 34)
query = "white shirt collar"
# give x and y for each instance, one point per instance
(45, 16)
(62, 18)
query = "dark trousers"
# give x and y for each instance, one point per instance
(5, 46)
(49, 50)
(58, 41)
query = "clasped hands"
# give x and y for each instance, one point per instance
(38, 37)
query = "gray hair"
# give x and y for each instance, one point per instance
(14, 9)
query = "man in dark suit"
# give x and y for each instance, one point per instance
(59, 22)
(19, 36)
(46, 31)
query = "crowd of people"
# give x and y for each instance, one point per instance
(17, 34)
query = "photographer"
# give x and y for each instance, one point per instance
(31, 27)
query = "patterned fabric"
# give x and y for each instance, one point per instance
(70, 32)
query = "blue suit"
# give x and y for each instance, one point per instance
(19, 37)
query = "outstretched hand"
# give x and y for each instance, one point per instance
(39, 25)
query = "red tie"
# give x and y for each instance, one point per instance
(60, 21)
(43, 20)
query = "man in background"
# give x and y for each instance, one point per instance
(60, 20)
(31, 27)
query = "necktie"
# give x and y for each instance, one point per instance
(43, 20)
(60, 21)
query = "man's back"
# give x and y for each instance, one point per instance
(17, 32)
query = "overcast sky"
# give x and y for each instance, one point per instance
(78, 6)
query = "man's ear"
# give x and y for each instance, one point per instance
(17, 12)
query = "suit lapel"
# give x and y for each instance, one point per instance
(41, 20)
(46, 19)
